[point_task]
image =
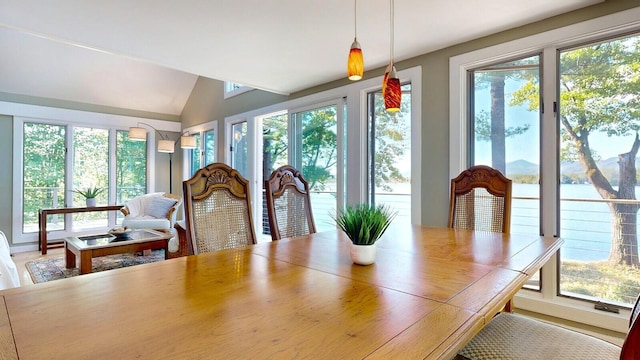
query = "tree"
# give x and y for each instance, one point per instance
(491, 126)
(319, 144)
(600, 92)
(391, 140)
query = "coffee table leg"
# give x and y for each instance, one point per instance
(69, 257)
(85, 262)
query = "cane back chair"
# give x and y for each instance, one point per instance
(512, 336)
(480, 200)
(218, 209)
(288, 204)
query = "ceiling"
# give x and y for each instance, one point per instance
(146, 54)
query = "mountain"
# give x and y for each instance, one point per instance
(522, 167)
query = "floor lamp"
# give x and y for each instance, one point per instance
(165, 145)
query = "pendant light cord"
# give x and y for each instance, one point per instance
(391, 38)
(355, 19)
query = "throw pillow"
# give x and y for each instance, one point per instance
(159, 206)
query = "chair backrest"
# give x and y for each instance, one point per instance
(480, 200)
(217, 207)
(631, 346)
(288, 204)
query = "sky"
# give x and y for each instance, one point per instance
(527, 145)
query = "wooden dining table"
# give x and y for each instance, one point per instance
(428, 292)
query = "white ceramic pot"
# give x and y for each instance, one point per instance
(363, 254)
(91, 202)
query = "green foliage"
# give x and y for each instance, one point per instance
(90, 192)
(319, 143)
(364, 224)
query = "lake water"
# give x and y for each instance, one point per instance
(585, 226)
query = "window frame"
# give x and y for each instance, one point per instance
(546, 301)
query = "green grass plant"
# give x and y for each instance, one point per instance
(90, 192)
(364, 224)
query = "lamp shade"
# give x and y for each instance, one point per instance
(188, 142)
(137, 134)
(391, 91)
(355, 63)
(165, 146)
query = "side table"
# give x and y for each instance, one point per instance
(42, 222)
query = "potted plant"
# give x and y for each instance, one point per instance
(90, 194)
(364, 224)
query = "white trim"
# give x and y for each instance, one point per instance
(545, 302)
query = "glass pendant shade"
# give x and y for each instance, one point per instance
(391, 91)
(188, 142)
(137, 134)
(355, 64)
(165, 146)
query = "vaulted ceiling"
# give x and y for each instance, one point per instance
(147, 54)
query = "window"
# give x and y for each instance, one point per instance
(49, 175)
(275, 153)
(599, 122)
(506, 134)
(195, 155)
(315, 153)
(233, 89)
(239, 148)
(43, 173)
(589, 118)
(389, 153)
(205, 151)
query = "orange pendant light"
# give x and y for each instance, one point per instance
(391, 91)
(355, 63)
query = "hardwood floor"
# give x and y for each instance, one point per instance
(21, 259)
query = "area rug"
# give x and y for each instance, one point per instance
(43, 270)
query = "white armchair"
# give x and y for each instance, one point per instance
(9, 276)
(151, 211)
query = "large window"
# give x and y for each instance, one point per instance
(46, 183)
(389, 154)
(315, 152)
(599, 122)
(43, 173)
(506, 134)
(583, 189)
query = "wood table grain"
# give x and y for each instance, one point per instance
(429, 291)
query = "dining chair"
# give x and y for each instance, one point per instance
(480, 200)
(512, 336)
(218, 209)
(288, 204)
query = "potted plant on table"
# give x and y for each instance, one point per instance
(364, 224)
(90, 194)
